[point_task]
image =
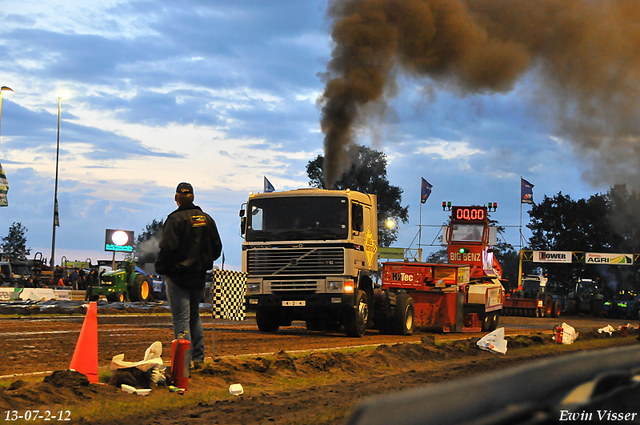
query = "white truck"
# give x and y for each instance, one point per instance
(309, 255)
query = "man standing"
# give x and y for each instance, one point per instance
(189, 245)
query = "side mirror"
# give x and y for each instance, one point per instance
(243, 223)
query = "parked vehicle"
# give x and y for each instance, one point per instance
(585, 298)
(126, 284)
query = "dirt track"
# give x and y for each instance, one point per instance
(39, 343)
(45, 344)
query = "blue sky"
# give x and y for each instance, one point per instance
(220, 94)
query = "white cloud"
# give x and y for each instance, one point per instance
(448, 150)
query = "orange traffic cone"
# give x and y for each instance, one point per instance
(85, 357)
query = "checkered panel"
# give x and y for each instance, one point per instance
(229, 288)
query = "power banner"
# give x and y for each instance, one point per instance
(610, 259)
(552, 256)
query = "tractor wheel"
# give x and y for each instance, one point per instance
(267, 320)
(404, 317)
(141, 289)
(355, 323)
(117, 297)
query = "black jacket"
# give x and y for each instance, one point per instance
(189, 245)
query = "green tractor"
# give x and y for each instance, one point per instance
(123, 284)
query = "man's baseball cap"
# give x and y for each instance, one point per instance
(185, 189)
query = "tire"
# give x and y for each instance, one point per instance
(141, 289)
(404, 317)
(548, 307)
(117, 297)
(486, 321)
(355, 324)
(267, 320)
(495, 318)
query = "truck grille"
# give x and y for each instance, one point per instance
(294, 285)
(295, 261)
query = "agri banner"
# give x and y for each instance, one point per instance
(610, 259)
(552, 256)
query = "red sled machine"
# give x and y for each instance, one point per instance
(464, 295)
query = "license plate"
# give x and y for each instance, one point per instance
(294, 303)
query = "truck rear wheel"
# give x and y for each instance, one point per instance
(356, 319)
(548, 308)
(267, 320)
(404, 317)
(140, 290)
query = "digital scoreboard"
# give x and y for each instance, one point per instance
(118, 240)
(469, 213)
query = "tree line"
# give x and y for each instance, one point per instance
(605, 222)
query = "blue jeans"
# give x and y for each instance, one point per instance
(185, 313)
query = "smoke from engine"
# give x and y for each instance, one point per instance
(584, 55)
(149, 247)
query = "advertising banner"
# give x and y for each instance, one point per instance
(611, 259)
(391, 253)
(552, 256)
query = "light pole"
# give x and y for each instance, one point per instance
(4, 185)
(56, 219)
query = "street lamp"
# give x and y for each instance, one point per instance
(56, 219)
(4, 185)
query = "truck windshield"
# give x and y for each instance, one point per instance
(20, 269)
(531, 285)
(297, 218)
(467, 232)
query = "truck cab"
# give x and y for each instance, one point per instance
(309, 255)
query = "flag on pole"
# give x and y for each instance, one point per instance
(426, 191)
(4, 188)
(56, 218)
(526, 192)
(268, 187)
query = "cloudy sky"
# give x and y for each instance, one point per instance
(220, 94)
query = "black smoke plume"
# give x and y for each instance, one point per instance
(585, 55)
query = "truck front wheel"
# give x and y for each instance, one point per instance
(267, 320)
(356, 321)
(405, 310)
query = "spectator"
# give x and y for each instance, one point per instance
(189, 245)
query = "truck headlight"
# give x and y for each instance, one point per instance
(335, 286)
(253, 288)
